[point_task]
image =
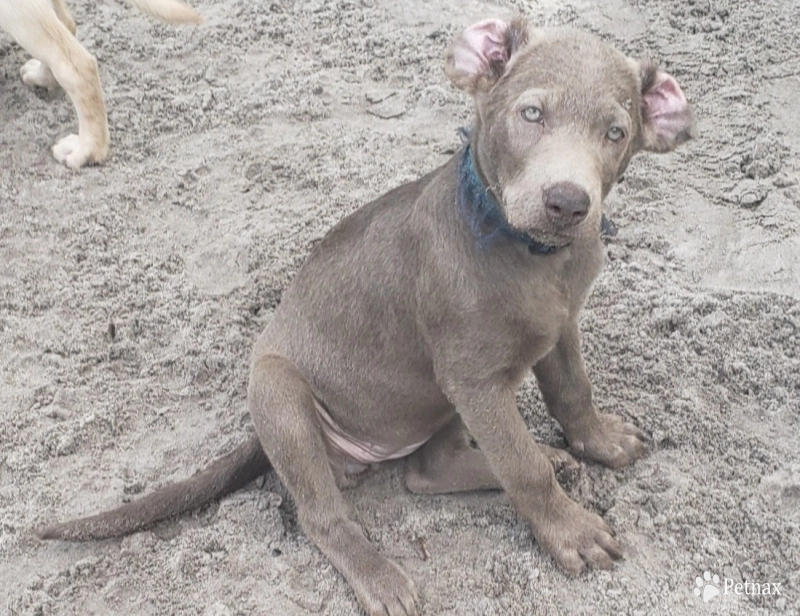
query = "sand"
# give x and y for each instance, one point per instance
(131, 294)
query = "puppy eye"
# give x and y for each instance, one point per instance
(532, 114)
(615, 134)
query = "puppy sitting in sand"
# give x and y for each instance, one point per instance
(414, 321)
(46, 30)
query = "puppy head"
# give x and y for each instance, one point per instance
(559, 116)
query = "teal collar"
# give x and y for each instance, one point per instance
(484, 215)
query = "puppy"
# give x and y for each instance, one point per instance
(414, 321)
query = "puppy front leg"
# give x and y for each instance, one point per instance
(567, 392)
(572, 535)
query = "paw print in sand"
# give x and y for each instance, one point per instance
(707, 586)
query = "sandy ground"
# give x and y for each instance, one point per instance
(130, 296)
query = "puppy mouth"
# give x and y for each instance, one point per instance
(558, 236)
(541, 232)
(553, 237)
(536, 226)
(536, 229)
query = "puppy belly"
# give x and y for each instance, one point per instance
(355, 450)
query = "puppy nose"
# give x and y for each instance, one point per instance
(566, 204)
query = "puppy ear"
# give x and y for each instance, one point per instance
(667, 119)
(478, 57)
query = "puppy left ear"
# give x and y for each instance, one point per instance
(667, 119)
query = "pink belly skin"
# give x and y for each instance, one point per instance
(357, 450)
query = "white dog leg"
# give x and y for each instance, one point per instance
(37, 26)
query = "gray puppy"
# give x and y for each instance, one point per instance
(414, 321)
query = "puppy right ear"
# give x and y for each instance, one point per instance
(478, 57)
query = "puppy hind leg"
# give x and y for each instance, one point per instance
(447, 463)
(282, 407)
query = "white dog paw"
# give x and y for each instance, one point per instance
(34, 74)
(75, 154)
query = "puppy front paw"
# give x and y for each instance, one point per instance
(611, 441)
(576, 538)
(386, 590)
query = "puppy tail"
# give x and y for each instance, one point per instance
(170, 11)
(223, 476)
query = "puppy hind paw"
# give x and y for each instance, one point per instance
(566, 468)
(36, 74)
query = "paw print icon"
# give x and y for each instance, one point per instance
(707, 586)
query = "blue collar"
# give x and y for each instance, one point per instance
(484, 215)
